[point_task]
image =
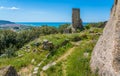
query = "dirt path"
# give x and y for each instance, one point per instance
(66, 54)
(63, 57)
(26, 71)
(42, 73)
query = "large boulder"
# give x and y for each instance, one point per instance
(8, 71)
(106, 55)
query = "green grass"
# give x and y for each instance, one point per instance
(57, 54)
(76, 64)
(23, 61)
(38, 56)
(55, 70)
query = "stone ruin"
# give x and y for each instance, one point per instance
(106, 55)
(76, 21)
(47, 45)
(8, 71)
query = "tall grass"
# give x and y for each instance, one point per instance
(77, 63)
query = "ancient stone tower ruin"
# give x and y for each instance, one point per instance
(76, 21)
(106, 54)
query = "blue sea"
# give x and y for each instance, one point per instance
(55, 24)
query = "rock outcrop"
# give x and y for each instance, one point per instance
(106, 54)
(8, 71)
(76, 21)
(47, 45)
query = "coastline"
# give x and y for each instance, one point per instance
(54, 24)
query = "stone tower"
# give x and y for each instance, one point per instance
(76, 21)
(106, 54)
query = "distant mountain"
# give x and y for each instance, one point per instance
(12, 26)
(4, 22)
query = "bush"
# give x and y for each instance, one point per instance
(46, 30)
(7, 38)
(61, 28)
(19, 39)
(10, 51)
(98, 25)
(76, 38)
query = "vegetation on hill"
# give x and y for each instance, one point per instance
(61, 28)
(10, 39)
(77, 64)
(24, 50)
(97, 25)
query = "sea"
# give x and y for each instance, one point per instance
(38, 24)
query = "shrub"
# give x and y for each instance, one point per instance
(19, 39)
(76, 38)
(61, 28)
(10, 51)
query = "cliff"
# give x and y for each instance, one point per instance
(106, 54)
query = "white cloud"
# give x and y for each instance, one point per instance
(1, 7)
(8, 8)
(13, 8)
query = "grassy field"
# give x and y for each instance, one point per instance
(75, 65)
(80, 63)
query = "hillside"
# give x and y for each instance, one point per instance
(56, 55)
(8, 25)
(3, 22)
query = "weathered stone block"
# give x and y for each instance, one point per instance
(8, 71)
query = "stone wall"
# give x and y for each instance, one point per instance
(106, 54)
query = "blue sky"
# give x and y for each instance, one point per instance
(54, 10)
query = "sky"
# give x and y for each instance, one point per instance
(54, 10)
